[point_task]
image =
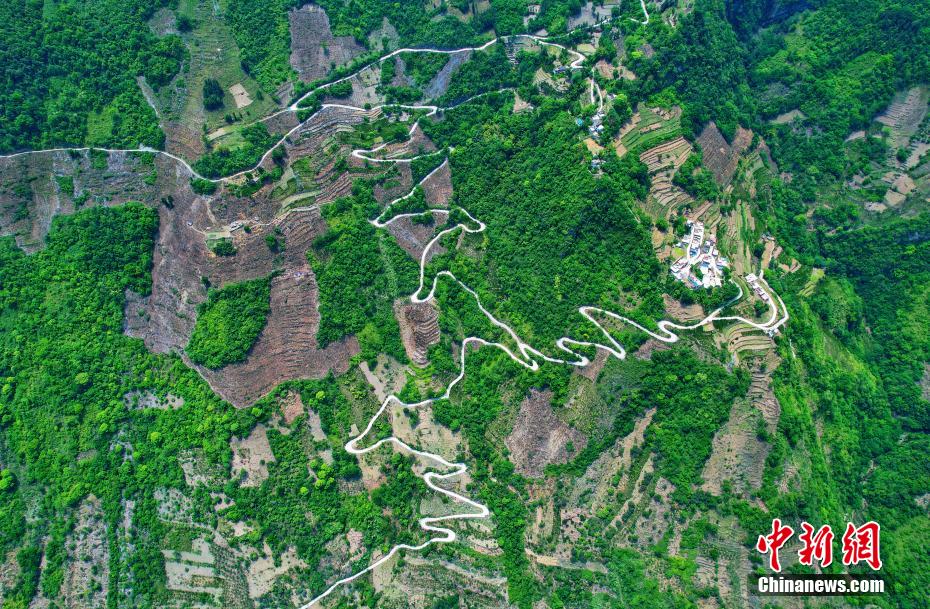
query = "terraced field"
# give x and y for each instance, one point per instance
(743, 340)
(663, 161)
(648, 128)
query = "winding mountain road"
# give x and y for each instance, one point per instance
(524, 354)
(295, 107)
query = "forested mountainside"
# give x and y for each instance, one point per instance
(455, 303)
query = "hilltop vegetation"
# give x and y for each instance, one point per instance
(527, 176)
(229, 322)
(360, 272)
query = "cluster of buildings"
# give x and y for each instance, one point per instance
(597, 125)
(702, 265)
(753, 282)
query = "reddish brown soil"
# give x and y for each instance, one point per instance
(413, 238)
(286, 348)
(539, 437)
(281, 123)
(391, 189)
(720, 157)
(184, 266)
(183, 141)
(314, 50)
(593, 370)
(419, 329)
(438, 187)
(417, 144)
(291, 407)
(649, 347)
(30, 197)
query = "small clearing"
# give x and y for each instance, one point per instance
(252, 455)
(682, 312)
(87, 576)
(240, 96)
(663, 161)
(291, 407)
(737, 455)
(193, 572)
(141, 400)
(788, 117)
(539, 437)
(416, 427)
(265, 570)
(905, 114)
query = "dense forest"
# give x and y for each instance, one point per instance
(229, 322)
(359, 271)
(69, 71)
(527, 176)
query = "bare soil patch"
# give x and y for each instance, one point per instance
(419, 329)
(663, 162)
(413, 237)
(87, 578)
(418, 582)
(519, 104)
(416, 145)
(440, 83)
(593, 369)
(651, 528)
(193, 572)
(438, 186)
(598, 479)
(291, 407)
(240, 95)
(174, 506)
(263, 571)
(649, 347)
(905, 113)
(162, 23)
(589, 15)
(720, 157)
(182, 140)
(286, 348)
(683, 312)
(9, 572)
(737, 455)
(387, 377)
(252, 455)
(539, 437)
(789, 117)
(426, 434)
(314, 49)
(30, 195)
(147, 399)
